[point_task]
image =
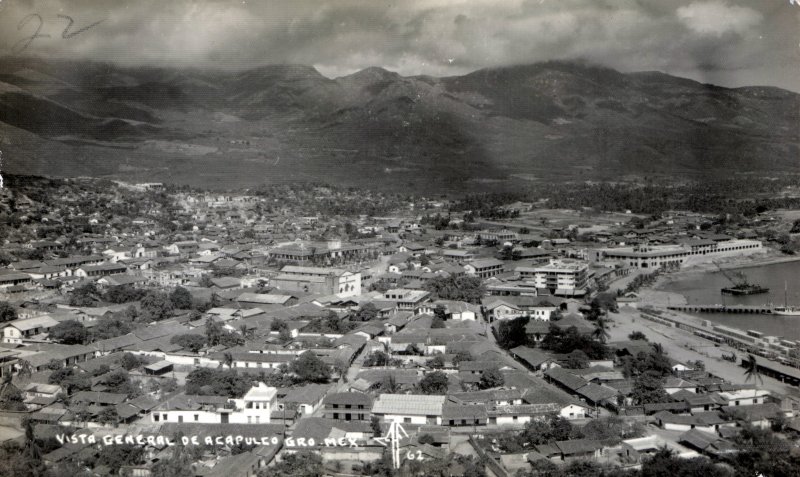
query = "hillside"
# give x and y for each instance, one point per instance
(492, 128)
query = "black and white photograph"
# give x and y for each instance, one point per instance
(399, 238)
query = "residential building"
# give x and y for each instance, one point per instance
(484, 268)
(409, 408)
(255, 407)
(559, 277)
(348, 406)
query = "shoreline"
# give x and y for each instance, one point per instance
(708, 267)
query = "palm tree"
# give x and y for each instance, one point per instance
(751, 372)
(227, 360)
(601, 330)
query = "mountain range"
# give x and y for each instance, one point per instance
(525, 125)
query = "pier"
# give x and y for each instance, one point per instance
(755, 309)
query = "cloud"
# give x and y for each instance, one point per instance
(437, 37)
(717, 18)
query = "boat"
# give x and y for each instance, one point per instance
(740, 285)
(744, 289)
(786, 310)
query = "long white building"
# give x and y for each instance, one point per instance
(685, 253)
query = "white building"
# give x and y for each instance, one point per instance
(689, 252)
(324, 281)
(559, 277)
(254, 407)
(409, 408)
(18, 330)
(746, 397)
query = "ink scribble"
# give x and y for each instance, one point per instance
(25, 42)
(66, 34)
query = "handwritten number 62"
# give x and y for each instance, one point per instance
(414, 456)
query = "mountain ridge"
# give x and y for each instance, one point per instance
(554, 120)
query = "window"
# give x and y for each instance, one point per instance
(196, 417)
(155, 417)
(164, 416)
(407, 420)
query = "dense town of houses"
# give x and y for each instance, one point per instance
(271, 278)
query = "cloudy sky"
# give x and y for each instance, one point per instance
(728, 42)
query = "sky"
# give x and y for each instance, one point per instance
(726, 42)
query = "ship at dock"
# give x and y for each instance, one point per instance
(740, 285)
(744, 289)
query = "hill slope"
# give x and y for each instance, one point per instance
(489, 128)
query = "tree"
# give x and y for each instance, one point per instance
(375, 424)
(491, 378)
(111, 327)
(119, 381)
(123, 294)
(181, 298)
(437, 362)
(217, 382)
(600, 332)
(511, 333)
(367, 312)
(84, 295)
(611, 427)
(440, 311)
(179, 464)
(434, 383)
(555, 428)
(752, 373)
(300, 464)
(278, 325)
(156, 306)
(213, 331)
(387, 384)
(130, 361)
(69, 332)
(437, 322)
(7, 312)
(664, 463)
(55, 364)
(637, 335)
(462, 356)
(108, 416)
(11, 398)
(227, 360)
(577, 359)
(648, 388)
(191, 342)
(459, 288)
(71, 380)
(376, 358)
(309, 368)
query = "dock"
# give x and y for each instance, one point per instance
(754, 309)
